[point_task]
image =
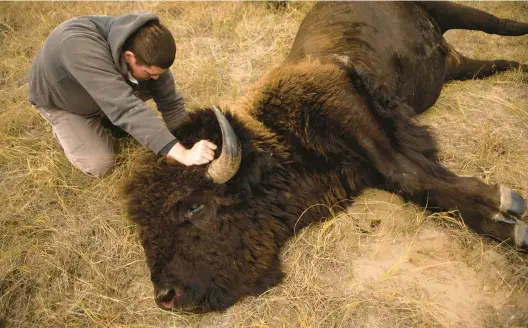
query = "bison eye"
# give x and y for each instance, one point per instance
(195, 208)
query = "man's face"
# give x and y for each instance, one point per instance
(142, 72)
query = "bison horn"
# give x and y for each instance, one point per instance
(226, 165)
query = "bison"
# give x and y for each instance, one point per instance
(336, 117)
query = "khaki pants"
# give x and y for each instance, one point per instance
(83, 139)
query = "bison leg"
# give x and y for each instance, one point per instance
(406, 157)
(450, 16)
(462, 68)
(502, 225)
(487, 209)
(411, 168)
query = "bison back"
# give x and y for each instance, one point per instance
(397, 44)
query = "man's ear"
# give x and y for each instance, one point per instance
(129, 55)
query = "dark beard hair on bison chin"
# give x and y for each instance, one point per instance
(198, 300)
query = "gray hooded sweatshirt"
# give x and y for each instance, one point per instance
(81, 69)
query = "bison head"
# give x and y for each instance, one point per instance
(207, 241)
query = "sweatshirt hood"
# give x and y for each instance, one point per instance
(121, 28)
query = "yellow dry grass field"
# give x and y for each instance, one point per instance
(70, 258)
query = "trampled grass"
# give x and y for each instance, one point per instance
(69, 258)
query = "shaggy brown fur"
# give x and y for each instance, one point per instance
(335, 118)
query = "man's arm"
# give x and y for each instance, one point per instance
(171, 105)
(168, 100)
(89, 61)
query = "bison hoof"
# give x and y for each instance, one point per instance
(522, 235)
(511, 202)
(518, 205)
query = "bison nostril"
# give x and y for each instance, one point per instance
(167, 297)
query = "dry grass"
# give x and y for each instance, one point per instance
(69, 258)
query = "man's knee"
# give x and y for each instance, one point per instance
(95, 167)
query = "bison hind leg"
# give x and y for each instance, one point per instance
(450, 16)
(460, 67)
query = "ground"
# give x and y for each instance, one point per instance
(70, 258)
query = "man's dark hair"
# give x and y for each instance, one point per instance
(153, 45)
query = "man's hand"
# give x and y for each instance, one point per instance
(201, 153)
